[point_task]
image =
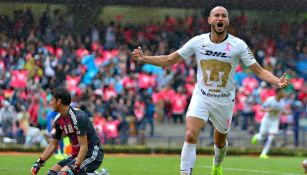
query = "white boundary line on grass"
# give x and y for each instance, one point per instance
(252, 171)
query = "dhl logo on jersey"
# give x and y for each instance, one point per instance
(216, 54)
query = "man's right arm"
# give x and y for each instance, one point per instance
(167, 60)
(50, 149)
(45, 156)
(161, 60)
(56, 134)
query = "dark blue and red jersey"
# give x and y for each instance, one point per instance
(75, 123)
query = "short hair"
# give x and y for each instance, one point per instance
(279, 89)
(63, 94)
(216, 8)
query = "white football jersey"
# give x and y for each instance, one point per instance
(277, 106)
(216, 65)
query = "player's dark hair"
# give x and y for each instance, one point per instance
(278, 90)
(63, 94)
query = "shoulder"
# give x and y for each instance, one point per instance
(235, 39)
(56, 118)
(200, 38)
(77, 113)
(203, 36)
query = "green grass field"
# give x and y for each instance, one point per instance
(165, 165)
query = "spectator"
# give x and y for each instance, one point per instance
(111, 130)
(35, 136)
(179, 104)
(8, 119)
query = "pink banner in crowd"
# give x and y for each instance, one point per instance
(72, 84)
(19, 78)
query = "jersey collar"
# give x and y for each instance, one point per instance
(221, 41)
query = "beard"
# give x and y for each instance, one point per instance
(219, 32)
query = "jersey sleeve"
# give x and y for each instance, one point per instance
(82, 124)
(187, 49)
(246, 54)
(56, 131)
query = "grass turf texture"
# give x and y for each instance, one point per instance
(165, 165)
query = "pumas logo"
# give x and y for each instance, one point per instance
(215, 74)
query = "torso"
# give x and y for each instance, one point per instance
(217, 65)
(75, 123)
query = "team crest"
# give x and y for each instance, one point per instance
(215, 74)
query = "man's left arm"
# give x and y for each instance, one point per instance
(83, 149)
(267, 76)
(83, 121)
(81, 155)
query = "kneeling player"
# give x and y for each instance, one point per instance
(87, 152)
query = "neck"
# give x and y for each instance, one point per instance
(217, 38)
(278, 98)
(64, 110)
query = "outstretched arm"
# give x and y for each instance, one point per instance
(162, 60)
(268, 76)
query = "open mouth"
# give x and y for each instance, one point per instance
(220, 24)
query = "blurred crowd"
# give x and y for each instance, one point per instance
(122, 98)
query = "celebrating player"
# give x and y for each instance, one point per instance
(218, 54)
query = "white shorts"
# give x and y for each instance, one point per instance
(219, 115)
(268, 126)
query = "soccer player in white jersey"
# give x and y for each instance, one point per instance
(217, 54)
(273, 107)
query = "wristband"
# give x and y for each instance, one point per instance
(41, 161)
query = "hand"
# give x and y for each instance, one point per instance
(283, 82)
(36, 166)
(75, 169)
(137, 55)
